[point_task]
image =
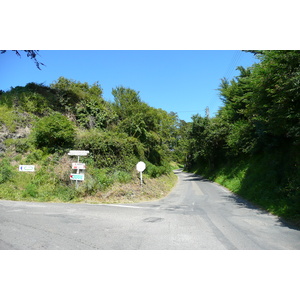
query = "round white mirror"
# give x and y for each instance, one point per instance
(140, 166)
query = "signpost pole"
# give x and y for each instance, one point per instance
(78, 176)
(77, 172)
(140, 167)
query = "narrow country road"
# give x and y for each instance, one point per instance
(197, 214)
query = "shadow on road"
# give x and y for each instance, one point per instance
(243, 203)
(194, 177)
(239, 200)
(246, 204)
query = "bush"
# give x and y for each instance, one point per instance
(6, 170)
(102, 179)
(156, 171)
(111, 149)
(34, 156)
(122, 177)
(31, 190)
(65, 193)
(54, 132)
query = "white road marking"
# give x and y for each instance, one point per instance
(120, 205)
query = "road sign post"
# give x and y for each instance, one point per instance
(78, 166)
(140, 167)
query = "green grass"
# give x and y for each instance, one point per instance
(50, 182)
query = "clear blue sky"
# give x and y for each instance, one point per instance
(183, 81)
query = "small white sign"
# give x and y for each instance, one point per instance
(140, 166)
(77, 176)
(26, 168)
(78, 166)
(78, 152)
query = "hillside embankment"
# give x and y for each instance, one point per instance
(40, 124)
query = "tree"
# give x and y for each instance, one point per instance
(85, 102)
(261, 111)
(152, 126)
(181, 140)
(30, 53)
(275, 102)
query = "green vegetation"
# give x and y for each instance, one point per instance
(7, 118)
(54, 132)
(252, 146)
(39, 124)
(6, 170)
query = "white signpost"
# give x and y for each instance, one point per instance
(140, 167)
(26, 168)
(78, 166)
(78, 152)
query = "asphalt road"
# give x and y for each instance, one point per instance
(197, 214)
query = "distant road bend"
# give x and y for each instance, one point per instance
(197, 214)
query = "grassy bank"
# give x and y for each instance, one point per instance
(133, 192)
(51, 183)
(39, 124)
(266, 180)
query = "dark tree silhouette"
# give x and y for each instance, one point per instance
(30, 53)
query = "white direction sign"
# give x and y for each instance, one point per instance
(78, 166)
(26, 168)
(79, 152)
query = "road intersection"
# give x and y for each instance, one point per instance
(197, 214)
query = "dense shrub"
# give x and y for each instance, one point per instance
(54, 132)
(156, 171)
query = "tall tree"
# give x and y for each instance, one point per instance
(275, 101)
(261, 110)
(152, 126)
